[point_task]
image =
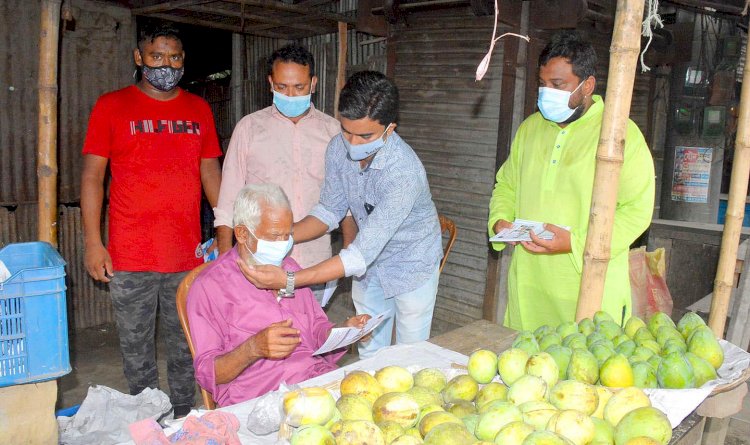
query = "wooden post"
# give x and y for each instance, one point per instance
(341, 69)
(735, 213)
(624, 52)
(47, 140)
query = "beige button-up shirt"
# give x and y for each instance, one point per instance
(268, 147)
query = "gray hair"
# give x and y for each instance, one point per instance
(247, 205)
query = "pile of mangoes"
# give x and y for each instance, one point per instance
(396, 407)
(653, 354)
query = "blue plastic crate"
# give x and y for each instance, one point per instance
(33, 315)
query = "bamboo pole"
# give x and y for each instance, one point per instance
(609, 155)
(47, 140)
(730, 240)
(341, 69)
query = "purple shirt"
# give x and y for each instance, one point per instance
(224, 310)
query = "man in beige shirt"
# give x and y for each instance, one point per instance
(284, 144)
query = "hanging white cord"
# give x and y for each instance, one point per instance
(652, 17)
(485, 63)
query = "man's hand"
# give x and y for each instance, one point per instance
(560, 242)
(359, 322)
(503, 224)
(275, 342)
(265, 276)
(98, 263)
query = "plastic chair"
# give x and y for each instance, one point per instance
(182, 293)
(447, 225)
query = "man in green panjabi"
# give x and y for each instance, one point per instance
(549, 177)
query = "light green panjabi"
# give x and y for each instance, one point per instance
(549, 177)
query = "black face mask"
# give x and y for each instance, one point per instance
(163, 78)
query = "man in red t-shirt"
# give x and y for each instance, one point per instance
(161, 145)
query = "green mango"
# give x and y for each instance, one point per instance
(561, 354)
(703, 343)
(601, 351)
(646, 421)
(673, 345)
(529, 345)
(643, 334)
(566, 328)
(595, 337)
(702, 369)
(610, 329)
(620, 339)
(550, 339)
(658, 320)
(583, 366)
(601, 316)
(523, 335)
(688, 323)
(603, 431)
(654, 361)
(586, 326)
(616, 372)
(652, 345)
(543, 330)
(644, 375)
(675, 372)
(665, 333)
(575, 341)
(632, 326)
(641, 354)
(626, 348)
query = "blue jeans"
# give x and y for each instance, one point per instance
(413, 312)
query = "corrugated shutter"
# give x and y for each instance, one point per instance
(451, 121)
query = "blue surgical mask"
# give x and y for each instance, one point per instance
(270, 252)
(362, 151)
(553, 103)
(291, 106)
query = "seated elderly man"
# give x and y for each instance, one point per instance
(249, 340)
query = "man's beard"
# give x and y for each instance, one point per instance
(579, 110)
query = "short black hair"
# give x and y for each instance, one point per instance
(571, 46)
(153, 30)
(292, 53)
(369, 94)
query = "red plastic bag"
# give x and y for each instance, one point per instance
(648, 283)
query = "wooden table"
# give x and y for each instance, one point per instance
(483, 334)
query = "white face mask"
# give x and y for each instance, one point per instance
(270, 252)
(553, 103)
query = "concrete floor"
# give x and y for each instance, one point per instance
(95, 359)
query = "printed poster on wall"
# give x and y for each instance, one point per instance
(692, 174)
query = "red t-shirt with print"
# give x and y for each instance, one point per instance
(154, 149)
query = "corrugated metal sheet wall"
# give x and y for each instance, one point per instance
(451, 121)
(363, 52)
(100, 43)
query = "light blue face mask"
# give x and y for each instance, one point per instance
(270, 252)
(362, 151)
(291, 106)
(553, 103)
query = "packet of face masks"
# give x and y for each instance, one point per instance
(201, 251)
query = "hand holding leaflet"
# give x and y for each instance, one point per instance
(340, 337)
(520, 232)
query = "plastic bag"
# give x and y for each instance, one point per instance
(105, 414)
(268, 412)
(648, 283)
